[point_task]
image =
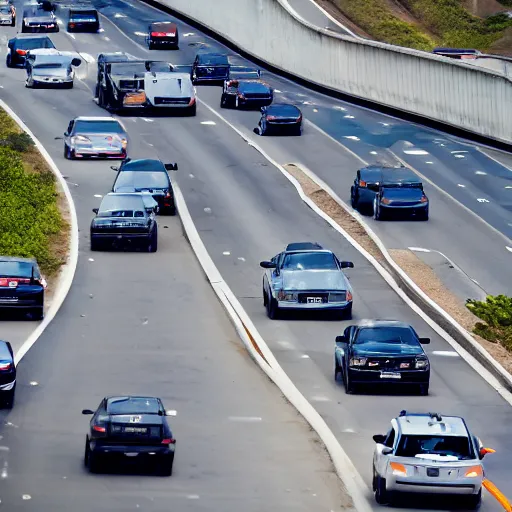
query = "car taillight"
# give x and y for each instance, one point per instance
(169, 441)
(21, 52)
(191, 102)
(349, 296)
(71, 25)
(362, 183)
(474, 472)
(384, 200)
(168, 195)
(158, 34)
(423, 198)
(398, 469)
(5, 366)
(271, 118)
(299, 118)
(97, 428)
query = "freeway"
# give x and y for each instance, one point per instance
(146, 323)
(465, 181)
(245, 211)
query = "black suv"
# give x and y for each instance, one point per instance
(7, 374)
(18, 47)
(130, 427)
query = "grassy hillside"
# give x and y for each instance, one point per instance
(424, 24)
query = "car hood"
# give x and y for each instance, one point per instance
(167, 85)
(314, 280)
(377, 349)
(55, 72)
(403, 194)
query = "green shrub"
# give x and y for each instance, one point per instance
(29, 214)
(496, 312)
(21, 142)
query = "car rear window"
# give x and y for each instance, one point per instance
(213, 60)
(309, 261)
(392, 335)
(133, 405)
(283, 110)
(32, 44)
(122, 202)
(98, 127)
(143, 165)
(15, 269)
(414, 445)
(253, 87)
(84, 16)
(142, 179)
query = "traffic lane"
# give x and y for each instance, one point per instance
(140, 334)
(163, 297)
(247, 213)
(310, 11)
(338, 167)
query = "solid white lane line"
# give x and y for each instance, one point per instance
(446, 353)
(245, 419)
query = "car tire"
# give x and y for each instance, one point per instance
(346, 314)
(166, 464)
(272, 308)
(68, 152)
(151, 46)
(153, 242)
(8, 399)
(424, 215)
(381, 493)
(298, 131)
(349, 385)
(37, 313)
(474, 501)
(223, 101)
(172, 210)
(337, 369)
(23, 27)
(423, 389)
(8, 61)
(86, 453)
(95, 245)
(192, 111)
(69, 85)
(353, 198)
(93, 462)
(265, 297)
(377, 214)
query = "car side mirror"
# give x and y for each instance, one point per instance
(171, 167)
(76, 62)
(267, 264)
(379, 438)
(341, 339)
(484, 451)
(387, 450)
(66, 134)
(87, 411)
(346, 264)
(96, 210)
(425, 341)
(114, 168)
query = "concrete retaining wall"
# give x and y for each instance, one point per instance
(461, 95)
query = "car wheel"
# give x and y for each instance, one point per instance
(192, 111)
(166, 464)
(423, 389)
(37, 313)
(8, 61)
(474, 501)
(272, 308)
(68, 152)
(172, 210)
(223, 101)
(23, 27)
(346, 314)
(424, 215)
(95, 244)
(337, 369)
(151, 46)
(353, 198)
(153, 242)
(9, 399)
(93, 462)
(69, 85)
(377, 215)
(298, 131)
(381, 494)
(349, 386)
(265, 297)
(86, 453)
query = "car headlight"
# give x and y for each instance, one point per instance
(385, 200)
(282, 295)
(357, 361)
(77, 139)
(421, 364)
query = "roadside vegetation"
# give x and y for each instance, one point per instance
(496, 312)
(424, 24)
(31, 222)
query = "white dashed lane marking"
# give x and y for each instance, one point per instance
(445, 353)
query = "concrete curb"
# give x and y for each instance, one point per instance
(67, 272)
(263, 356)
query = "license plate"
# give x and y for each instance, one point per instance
(314, 300)
(135, 430)
(131, 454)
(390, 375)
(432, 471)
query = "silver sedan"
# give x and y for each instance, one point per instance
(50, 67)
(96, 137)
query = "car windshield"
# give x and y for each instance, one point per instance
(5, 9)
(83, 16)
(391, 335)
(48, 65)
(32, 44)
(213, 60)
(98, 127)
(15, 269)
(142, 180)
(454, 446)
(122, 206)
(132, 405)
(309, 261)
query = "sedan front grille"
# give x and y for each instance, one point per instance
(391, 363)
(312, 297)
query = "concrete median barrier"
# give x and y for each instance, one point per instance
(439, 89)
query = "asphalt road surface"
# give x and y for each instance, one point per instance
(246, 211)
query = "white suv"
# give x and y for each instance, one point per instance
(428, 453)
